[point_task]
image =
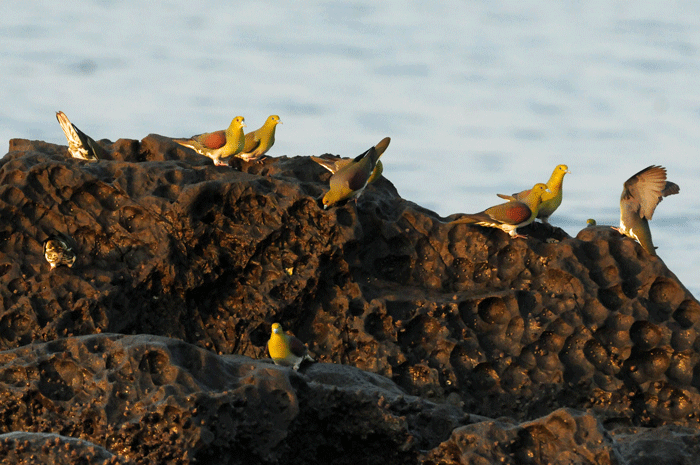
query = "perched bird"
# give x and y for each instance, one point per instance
(220, 144)
(509, 216)
(80, 145)
(350, 180)
(640, 195)
(258, 142)
(590, 222)
(334, 163)
(550, 200)
(57, 252)
(286, 350)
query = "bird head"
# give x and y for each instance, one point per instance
(237, 123)
(332, 197)
(273, 120)
(276, 328)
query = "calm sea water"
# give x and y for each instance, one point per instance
(478, 97)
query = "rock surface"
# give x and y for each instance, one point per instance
(439, 343)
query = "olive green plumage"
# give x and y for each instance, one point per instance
(351, 179)
(218, 145)
(258, 142)
(551, 199)
(509, 216)
(640, 195)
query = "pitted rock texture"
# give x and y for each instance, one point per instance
(161, 400)
(170, 245)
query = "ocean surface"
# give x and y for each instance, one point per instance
(478, 97)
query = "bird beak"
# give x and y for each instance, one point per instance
(243, 125)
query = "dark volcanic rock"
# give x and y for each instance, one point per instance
(588, 332)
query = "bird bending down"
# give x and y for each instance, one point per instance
(286, 350)
(640, 195)
(509, 216)
(351, 179)
(550, 200)
(80, 145)
(258, 142)
(334, 163)
(57, 252)
(220, 144)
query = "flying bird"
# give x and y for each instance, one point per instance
(286, 350)
(220, 144)
(80, 145)
(508, 216)
(351, 179)
(258, 142)
(551, 199)
(640, 195)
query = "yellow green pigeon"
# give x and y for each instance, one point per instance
(80, 145)
(219, 144)
(258, 142)
(640, 195)
(334, 163)
(351, 179)
(551, 199)
(509, 216)
(286, 350)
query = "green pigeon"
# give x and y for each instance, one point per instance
(590, 222)
(80, 145)
(640, 195)
(220, 144)
(258, 142)
(350, 180)
(334, 163)
(286, 350)
(551, 199)
(509, 216)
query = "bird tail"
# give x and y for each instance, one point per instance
(506, 197)
(380, 148)
(468, 219)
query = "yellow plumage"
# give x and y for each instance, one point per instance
(286, 350)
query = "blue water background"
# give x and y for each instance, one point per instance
(479, 97)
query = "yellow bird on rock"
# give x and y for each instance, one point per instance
(220, 144)
(286, 350)
(258, 142)
(350, 180)
(551, 199)
(334, 163)
(509, 216)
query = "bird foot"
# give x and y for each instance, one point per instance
(521, 236)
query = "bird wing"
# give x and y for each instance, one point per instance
(644, 190)
(212, 140)
(252, 142)
(331, 165)
(359, 170)
(510, 213)
(296, 346)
